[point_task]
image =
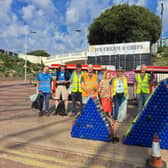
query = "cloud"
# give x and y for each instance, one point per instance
(131, 2)
(84, 10)
(5, 7)
(28, 12)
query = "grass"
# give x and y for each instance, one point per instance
(12, 66)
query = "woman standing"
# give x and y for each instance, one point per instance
(120, 94)
(105, 93)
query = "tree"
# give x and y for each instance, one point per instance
(124, 23)
(39, 53)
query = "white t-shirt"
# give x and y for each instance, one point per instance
(120, 86)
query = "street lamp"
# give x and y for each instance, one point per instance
(25, 50)
(79, 31)
(161, 13)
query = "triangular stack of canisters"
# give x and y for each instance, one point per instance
(92, 123)
(153, 119)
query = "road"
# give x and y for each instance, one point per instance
(28, 141)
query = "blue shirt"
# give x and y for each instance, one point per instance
(61, 76)
(44, 82)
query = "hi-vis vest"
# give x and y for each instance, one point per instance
(90, 84)
(142, 85)
(76, 83)
(124, 79)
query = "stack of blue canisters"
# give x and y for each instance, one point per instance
(92, 123)
(153, 119)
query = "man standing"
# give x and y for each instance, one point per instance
(89, 83)
(62, 82)
(142, 87)
(44, 88)
(119, 90)
(76, 89)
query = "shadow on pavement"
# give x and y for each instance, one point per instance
(114, 161)
(37, 138)
(32, 129)
(18, 117)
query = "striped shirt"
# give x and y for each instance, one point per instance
(44, 82)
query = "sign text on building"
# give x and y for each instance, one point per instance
(120, 49)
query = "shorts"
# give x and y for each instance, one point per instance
(61, 91)
(85, 99)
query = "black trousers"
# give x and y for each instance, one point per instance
(76, 96)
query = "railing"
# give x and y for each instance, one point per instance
(76, 54)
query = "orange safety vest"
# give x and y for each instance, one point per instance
(90, 84)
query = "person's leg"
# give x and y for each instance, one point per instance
(41, 101)
(145, 97)
(57, 97)
(47, 98)
(65, 95)
(84, 100)
(116, 107)
(140, 102)
(73, 96)
(80, 100)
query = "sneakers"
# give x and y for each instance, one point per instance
(47, 114)
(40, 114)
(72, 114)
(115, 140)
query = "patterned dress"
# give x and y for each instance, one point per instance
(105, 95)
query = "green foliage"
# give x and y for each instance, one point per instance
(163, 51)
(161, 58)
(14, 66)
(124, 23)
(39, 53)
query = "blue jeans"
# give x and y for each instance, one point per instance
(46, 98)
(142, 97)
(117, 102)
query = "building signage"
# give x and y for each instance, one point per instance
(120, 49)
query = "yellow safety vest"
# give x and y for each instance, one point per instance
(90, 84)
(125, 86)
(76, 82)
(142, 85)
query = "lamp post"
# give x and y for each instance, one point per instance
(25, 51)
(79, 31)
(161, 13)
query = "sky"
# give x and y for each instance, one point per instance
(54, 23)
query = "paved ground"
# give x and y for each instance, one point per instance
(29, 141)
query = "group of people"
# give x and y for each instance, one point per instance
(111, 90)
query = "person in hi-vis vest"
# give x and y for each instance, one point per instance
(142, 87)
(119, 90)
(76, 89)
(89, 83)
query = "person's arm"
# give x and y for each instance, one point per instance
(83, 84)
(135, 86)
(100, 86)
(69, 77)
(96, 89)
(126, 86)
(37, 83)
